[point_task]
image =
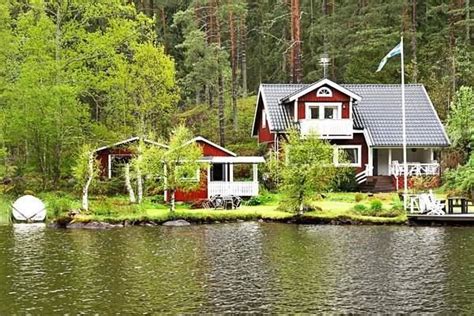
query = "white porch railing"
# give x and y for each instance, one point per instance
(327, 128)
(239, 188)
(415, 169)
(361, 177)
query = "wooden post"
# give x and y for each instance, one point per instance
(231, 172)
(390, 161)
(255, 172)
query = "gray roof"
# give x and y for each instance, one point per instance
(379, 112)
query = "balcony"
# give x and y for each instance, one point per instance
(327, 128)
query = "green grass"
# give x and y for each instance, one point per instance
(4, 210)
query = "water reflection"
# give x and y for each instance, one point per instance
(247, 267)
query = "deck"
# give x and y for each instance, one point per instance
(460, 219)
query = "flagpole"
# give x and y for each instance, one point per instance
(405, 166)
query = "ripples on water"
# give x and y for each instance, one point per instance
(245, 267)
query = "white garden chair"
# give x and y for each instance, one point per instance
(430, 205)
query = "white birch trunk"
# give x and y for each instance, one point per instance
(85, 189)
(129, 185)
(173, 201)
(139, 185)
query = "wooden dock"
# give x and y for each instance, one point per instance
(456, 219)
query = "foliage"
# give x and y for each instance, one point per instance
(423, 183)
(305, 170)
(176, 165)
(376, 205)
(359, 197)
(344, 180)
(460, 125)
(462, 178)
(360, 208)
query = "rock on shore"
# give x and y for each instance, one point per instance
(176, 223)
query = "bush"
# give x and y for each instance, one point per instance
(376, 205)
(59, 206)
(359, 197)
(344, 181)
(360, 208)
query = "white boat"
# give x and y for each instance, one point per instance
(28, 209)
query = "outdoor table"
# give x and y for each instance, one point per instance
(457, 201)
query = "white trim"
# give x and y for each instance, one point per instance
(368, 140)
(295, 111)
(264, 119)
(350, 108)
(109, 166)
(260, 94)
(431, 154)
(132, 139)
(389, 161)
(321, 106)
(437, 117)
(370, 161)
(321, 95)
(359, 155)
(207, 141)
(232, 160)
(322, 83)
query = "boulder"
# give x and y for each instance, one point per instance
(176, 223)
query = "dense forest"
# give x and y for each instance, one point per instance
(75, 72)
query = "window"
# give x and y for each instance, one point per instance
(264, 119)
(331, 112)
(218, 172)
(323, 110)
(324, 92)
(314, 112)
(117, 164)
(347, 155)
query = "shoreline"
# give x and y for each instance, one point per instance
(107, 223)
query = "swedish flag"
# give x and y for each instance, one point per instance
(397, 50)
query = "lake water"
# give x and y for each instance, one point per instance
(245, 267)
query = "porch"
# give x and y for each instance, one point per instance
(232, 175)
(389, 162)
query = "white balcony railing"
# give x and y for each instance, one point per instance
(239, 188)
(415, 169)
(328, 128)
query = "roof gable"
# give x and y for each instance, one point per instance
(216, 149)
(127, 141)
(309, 88)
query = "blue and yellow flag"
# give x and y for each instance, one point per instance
(397, 50)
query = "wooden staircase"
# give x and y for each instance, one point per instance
(378, 184)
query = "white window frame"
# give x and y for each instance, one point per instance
(320, 94)
(264, 119)
(336, 155)
(322, 105)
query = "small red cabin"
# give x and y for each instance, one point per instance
(224, 173)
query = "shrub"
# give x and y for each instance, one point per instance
(58, 206)
(359, 197)
(344, 181)
(360, 208)
(376, 205)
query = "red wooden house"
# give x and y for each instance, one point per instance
(363, 120)
(217, 177)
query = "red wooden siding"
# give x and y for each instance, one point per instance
(195, 195)
(358, 139)
(337, 96)
(263, 133)
(209, 150)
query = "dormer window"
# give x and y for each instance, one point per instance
(324, 92)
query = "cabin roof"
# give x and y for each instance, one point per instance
(378, 111)
(129, 140)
